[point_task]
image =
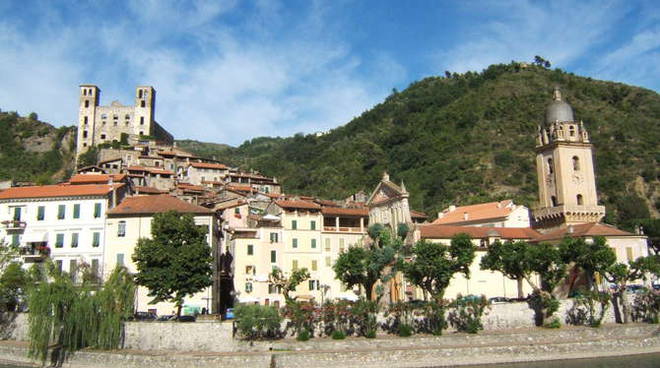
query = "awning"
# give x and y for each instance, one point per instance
(35, 237)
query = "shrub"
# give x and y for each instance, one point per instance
(302, 316)
(544, 306)
(303, 335)
(585, 311)
(467, 312)
(338, 335)
(371, 334)
(399, 316)
(432, 317)
(646, 307)
(336, 317)
(363, 317)
(554, 324)
(257, 321)
(405, 330)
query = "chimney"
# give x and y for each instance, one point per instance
(441, 214)
(452, 208)
(466, 216)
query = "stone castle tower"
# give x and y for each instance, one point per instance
(106, 124)
(565, 170)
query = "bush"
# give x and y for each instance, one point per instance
(554, 324)
(399, 316)
(544, 306)
(363, 317)
(405, 330)
(584, 311)
(646, 307)
(338, 335)
(433, 317)
(371, 334)
(303, 335)
(336, 317)
(467, 312)
(302, 316)
(257, 322)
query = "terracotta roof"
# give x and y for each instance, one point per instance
(160, 171)
(52, 191)
(298, 205)
(417, 214)
(149, 190)
(586, 230)
(338, 211)
(137, 168)
(271, 195)
(187, 186)
(243, 188)
(204, 165)
(147, 205)
(433, 231)
(476, 212)
(96, 178)
(110, 160)
(214, 182)
(175, 153)
(326, 203)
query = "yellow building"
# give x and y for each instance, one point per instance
(130, 221)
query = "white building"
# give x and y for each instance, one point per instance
(65, 221)
(492, 214)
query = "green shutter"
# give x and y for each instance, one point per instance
(74, 240)
(294, 225)
(313, 243)
(250, 249)
(59, 241)
(96, 240)
(312, 225)
(41, 213)
(295, 243)
(76, 211)
(97, 210)
(273, 256)
(61, 211)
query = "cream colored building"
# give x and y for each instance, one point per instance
(130, 221)
(492, 214)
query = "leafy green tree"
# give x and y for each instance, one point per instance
(176, 261)
(509, 258)
(288, 284)
(591, 257)
(433, 265)
(89, 158)
(354, 267)
(13, 285)
(620, 274)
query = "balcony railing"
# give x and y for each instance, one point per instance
(344, 229)
(34, 254)
(13, 224)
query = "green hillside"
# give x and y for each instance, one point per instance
(467, 138)
(34, 151)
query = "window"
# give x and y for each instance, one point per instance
(550, 167)
(85, 121)
(139, 93)
(294, 224)
(327, 244)
(127, 116)
(142, 104)
(248, 287)
(103, 136)
(295, 243)
(74, 240)
(315, 265)
(95, 268)
(571, 131)
(87, 103)
(72, 269)
(250, 270)
(15, 240)
(41, 213)
(17, 214)
(250, 249)
(237, 211)
(97, 210)
(84, 134)
(312, 225)
(328, 261)
(313, 243)
(120, 259)
(580, 201)
(313, 285)
(553, 199)
(273, 256)
(273, 289)
(104, 116)
(141, 120)
(61, 209)
(576, 163)
(59, 240)
(96, 239)
(341, 245)
(58, 265)
(629, 254)
(121, 229)
(273, 237)
(76, 211)
(294, 264)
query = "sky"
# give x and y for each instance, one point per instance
(229, 70)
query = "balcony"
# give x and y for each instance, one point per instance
(13, 225)
(344, 229)
(34, 254)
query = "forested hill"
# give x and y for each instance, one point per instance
(34, 151)
(467, 138)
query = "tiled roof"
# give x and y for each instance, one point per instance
(417, 214)
(147, 205)
(433, 231)
(590, 229)
(148, 190)
(96, 178)
(242, 188)
(160, 171)
(137, 168)
(205, 165)
(186, 186)
(293, 204)
(476, 212)
(337, 211)
(52, 191)
(326, 203)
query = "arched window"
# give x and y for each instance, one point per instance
(550, 167)
(580, 201)
(554, 201)
(571, 131)
(142, 103)
(576, 163)
(87, 103)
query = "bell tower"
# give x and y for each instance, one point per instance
(145, 103)
(565, 170)
(89, 101)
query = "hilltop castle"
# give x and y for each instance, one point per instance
(116, 123)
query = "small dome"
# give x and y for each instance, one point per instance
(558, 110)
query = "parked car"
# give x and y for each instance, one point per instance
(185, 319)
(230, 313)
(499, 300)
(144, 316)
(165, 317)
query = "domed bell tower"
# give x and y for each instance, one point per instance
(565, 170)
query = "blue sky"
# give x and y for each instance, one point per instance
(226, 71)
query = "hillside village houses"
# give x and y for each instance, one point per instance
(100, 213)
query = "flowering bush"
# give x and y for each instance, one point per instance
(257, 321)
(646, 307)
(585, 311)
(302, 317)
(466, 313)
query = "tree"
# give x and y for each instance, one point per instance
(13, 285)
(509, 258)
(89, 158)
(589, 256)
(620, 274)
(353, 268)
(433, 265)
(176, 261)
(288, 284)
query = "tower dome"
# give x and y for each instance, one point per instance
(558, 110)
